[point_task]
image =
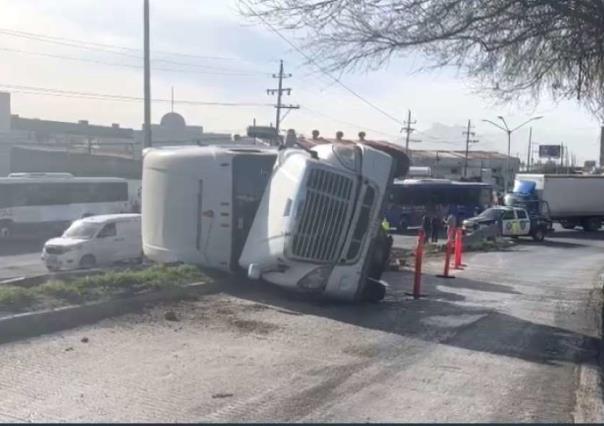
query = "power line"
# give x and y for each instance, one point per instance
(122, 65)
(93, 47)
(324, 71)
(99, 46)
(356, 126)
(32, 90)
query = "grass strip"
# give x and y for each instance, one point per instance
(97, 287)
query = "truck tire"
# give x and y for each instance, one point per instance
(591, 224)
(567, 224)
(374, 291)
(538, 234)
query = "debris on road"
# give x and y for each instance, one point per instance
(170, 316)
(84, 340)
(222, 395)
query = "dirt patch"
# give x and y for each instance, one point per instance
(254, 307)
(364, 351)
(253, 326)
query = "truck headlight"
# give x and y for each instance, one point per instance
(316, 279)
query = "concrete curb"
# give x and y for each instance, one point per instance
(589, 398)
(30, 324)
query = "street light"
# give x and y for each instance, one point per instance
(509, 132)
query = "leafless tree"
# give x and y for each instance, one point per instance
(512, 47)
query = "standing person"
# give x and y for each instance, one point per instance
(435, 226)
(427, 224)
(451, 223)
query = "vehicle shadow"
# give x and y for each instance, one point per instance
(438, 317)
(552, 243)
(578, 235)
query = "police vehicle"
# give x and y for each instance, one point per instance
(509, 222)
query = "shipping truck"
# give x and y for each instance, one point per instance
(571, 200)
(308, 219)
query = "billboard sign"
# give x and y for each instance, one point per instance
(262, 132)
(550, 151)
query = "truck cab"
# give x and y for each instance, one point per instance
(306, 219)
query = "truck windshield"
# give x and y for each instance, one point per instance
(524, 187)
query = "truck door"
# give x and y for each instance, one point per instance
(524, 223)
(251, 174)
(508, 223)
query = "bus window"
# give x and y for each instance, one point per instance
(52, 204)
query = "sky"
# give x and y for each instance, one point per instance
(208, 52)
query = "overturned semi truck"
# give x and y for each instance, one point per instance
(305, 218)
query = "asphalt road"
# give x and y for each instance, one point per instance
(21, 258)
(515, 337)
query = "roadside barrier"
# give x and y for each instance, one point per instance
(419, 255)
(458, 249)
(448, 250)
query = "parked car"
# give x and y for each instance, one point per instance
(508, 221)
(95, 240)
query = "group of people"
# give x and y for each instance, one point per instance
(433, 222)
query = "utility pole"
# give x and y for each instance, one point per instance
(147, 77)
(468, 133)
(528, 154)
(408, 129)
(279, 91)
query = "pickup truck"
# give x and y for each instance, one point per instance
(510, 222)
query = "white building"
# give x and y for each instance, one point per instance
(83, 137)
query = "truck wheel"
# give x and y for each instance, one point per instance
(374, 291)
(568, 225)
(538, 234)
(591, 224)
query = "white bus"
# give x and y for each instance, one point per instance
(33, 203)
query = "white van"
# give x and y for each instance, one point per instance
(95, 240)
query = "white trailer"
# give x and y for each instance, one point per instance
(198, 203)
(305, 219)
(571, 200)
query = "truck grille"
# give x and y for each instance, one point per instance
(323, 216)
